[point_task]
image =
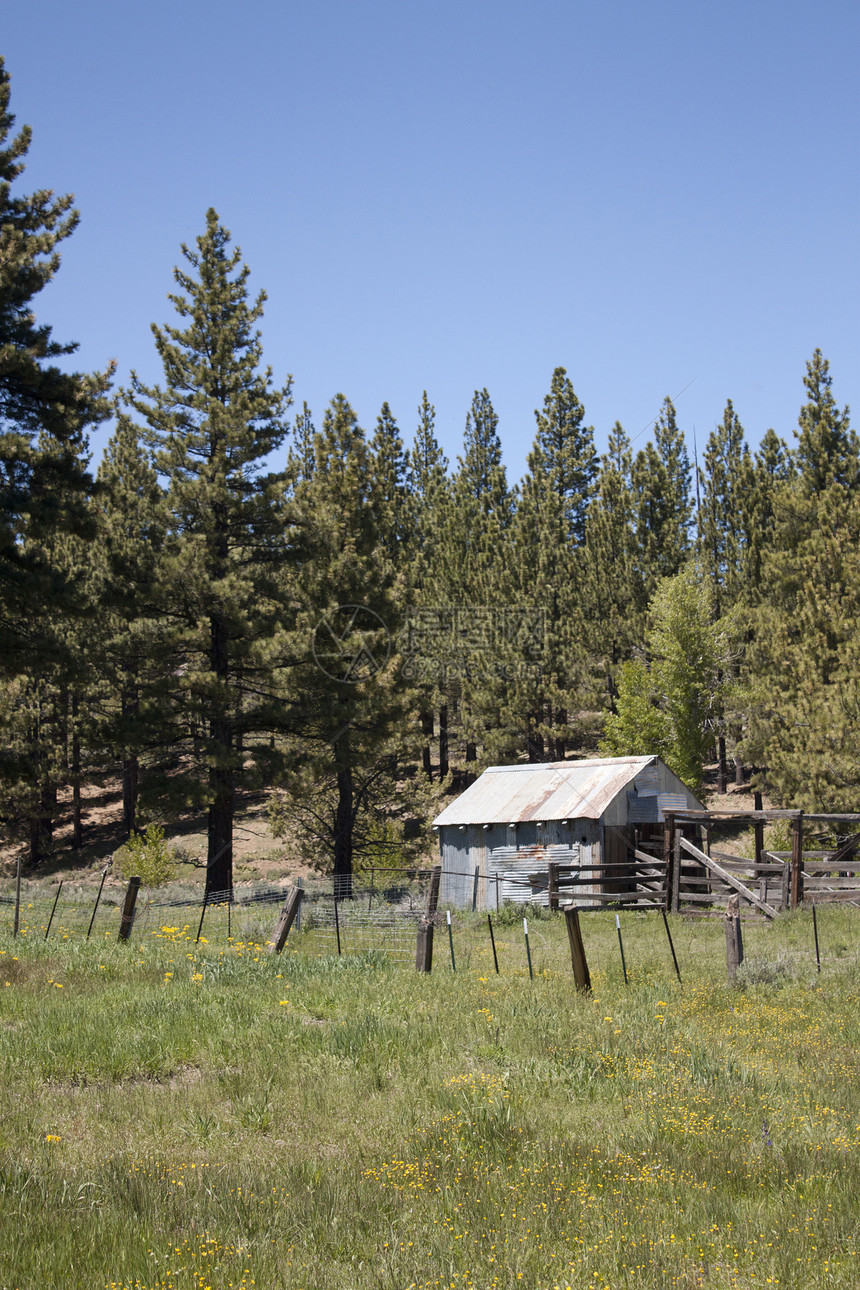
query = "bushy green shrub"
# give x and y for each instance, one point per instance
(148, 856)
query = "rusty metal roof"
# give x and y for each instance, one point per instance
(559, 790)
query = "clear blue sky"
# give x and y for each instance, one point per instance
(451, 195)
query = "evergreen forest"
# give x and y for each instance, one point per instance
(247, 596)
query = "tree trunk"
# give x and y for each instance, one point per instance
(443, 741)
(560, 748)
(130, 766)
(47, 813)
(130, 778)
(222, 775)
(722, 768)
(427, 731)
(343, 821)
(535, 746)
(77, 822)
(219, 860)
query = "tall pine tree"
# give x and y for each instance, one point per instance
(44, 413)
(212, 426)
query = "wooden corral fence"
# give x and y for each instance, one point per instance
(701, 879)
(638, 883)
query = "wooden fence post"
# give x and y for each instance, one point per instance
(290, 909)
(127, 916)
(424, 944)
(734, 943)
(433, 893)
(424, 947)
(785, 894)
(578, 961)
(475, 888)
(668, 846)
(676, 872)
(797, 861)
(552, 884)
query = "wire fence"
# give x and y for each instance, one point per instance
(381, 915)
(517, 940)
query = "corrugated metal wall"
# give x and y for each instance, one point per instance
(514, 863)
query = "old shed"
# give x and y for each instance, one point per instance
(516, 820)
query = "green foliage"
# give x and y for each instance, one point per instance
(147, 855)
(727, 484)
(640, 724)
(801, 691)
(44, 414)
(672, 705)
(661, 486)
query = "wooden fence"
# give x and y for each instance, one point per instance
(701, 879)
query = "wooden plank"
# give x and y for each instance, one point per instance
(813, 881)
(764, 816)
(621, 897)
(844, 854)
(626, 867)
(729, 878)
(835, 819)
(572, 883)
(824, 897)
(728, 857)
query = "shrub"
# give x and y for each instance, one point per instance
(762, 971)
(148, 856)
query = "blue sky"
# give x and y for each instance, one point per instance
(659, 197)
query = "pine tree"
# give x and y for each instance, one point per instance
(546, 569)
(301, 454)
(429, 505)
(827, 449)
(723, 516)
(771, 468)
(801, 695)
(212, 426)
(611, 598)
(132, 530)
(348, 696)
(478, 522)
(661, 483)
(391, 495)
(44, 413)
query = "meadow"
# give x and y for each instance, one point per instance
(181, 1116)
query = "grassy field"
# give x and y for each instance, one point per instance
(189, 1116)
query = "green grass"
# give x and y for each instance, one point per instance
(181, 1116)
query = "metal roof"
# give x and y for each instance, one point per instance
(558, 790)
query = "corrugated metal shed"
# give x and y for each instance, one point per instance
(515, 820)
(558, 790)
